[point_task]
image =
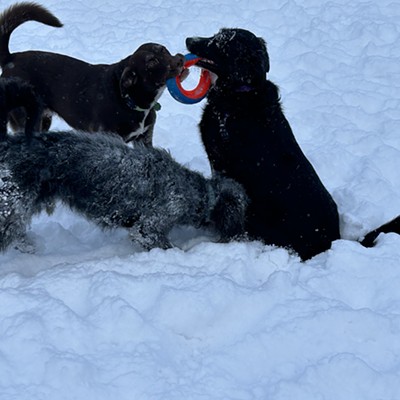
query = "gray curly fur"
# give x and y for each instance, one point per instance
(138, 188)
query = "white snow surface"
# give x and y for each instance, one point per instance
(90, 316)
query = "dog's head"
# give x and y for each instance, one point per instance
(147, 72)
(229, 211)
(236, 56)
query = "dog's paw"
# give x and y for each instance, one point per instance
(149, 240)
(26, 244)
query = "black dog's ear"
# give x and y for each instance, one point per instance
(265, 55)
(128, 79)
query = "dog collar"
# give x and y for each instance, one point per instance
(244, 89)
(131, 104)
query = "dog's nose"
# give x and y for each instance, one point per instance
(190, 40)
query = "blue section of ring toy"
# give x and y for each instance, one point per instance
(176, 93)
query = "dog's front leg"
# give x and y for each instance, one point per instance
(148, 237)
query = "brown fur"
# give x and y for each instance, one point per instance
(119, 98)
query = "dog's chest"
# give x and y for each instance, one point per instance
(138, 124)
(140, 120)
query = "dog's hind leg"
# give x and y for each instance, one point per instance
(46, 121)
(31, 120)
(17, 119)
(15, 215)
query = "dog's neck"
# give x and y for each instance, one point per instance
(247, 86)
(154, 104)
(134, 107)
(245, 89)
(263, 93)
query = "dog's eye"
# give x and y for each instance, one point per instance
(153, 63)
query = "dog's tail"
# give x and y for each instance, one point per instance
(228, 213)
(392, 226)
(16, 15)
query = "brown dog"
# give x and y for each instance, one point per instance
(119, 98)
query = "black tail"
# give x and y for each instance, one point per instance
(16, 93)
(392, 226)
(16, 15)
(228, 213)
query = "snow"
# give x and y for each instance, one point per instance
(90, 316)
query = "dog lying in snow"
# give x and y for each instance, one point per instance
(139, 188)
(119, 98)
(247, 138)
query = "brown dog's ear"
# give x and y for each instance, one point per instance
(128, 79)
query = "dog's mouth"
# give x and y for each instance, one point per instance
(174, 72)
(176, 68)
(199, 47)
(207, 64)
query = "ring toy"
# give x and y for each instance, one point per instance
(195, 95)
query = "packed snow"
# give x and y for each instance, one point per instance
(91, 316)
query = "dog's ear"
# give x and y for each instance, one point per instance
(265, 55)
(128, 79)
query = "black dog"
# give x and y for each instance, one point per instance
(15, 93)
(247, 138)
(141, 188)
(119, 98)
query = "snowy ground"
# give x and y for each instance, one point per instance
(91, 317)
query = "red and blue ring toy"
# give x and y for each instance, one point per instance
(195, 95)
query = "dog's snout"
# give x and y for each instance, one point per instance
(180, 60)
(178, 63)
(190, 41)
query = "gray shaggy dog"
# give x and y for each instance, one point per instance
(141, 189)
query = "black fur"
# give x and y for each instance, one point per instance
(247, 138)
(392, 226)
(119, 98)
(14, 93)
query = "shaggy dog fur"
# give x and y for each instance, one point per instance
(139, 188)
(119, 98)
(247, 138)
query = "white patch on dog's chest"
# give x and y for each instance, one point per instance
(142, 129)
